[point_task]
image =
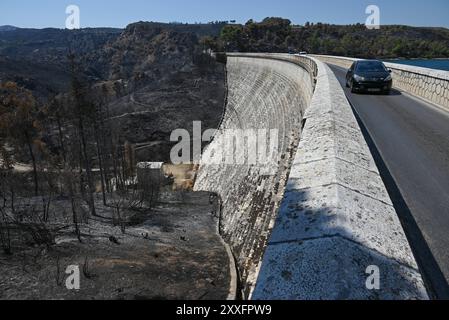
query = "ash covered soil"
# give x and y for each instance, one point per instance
(172, 252)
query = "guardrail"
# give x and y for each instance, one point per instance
(428, 84)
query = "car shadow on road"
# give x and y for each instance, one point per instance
(393, 92)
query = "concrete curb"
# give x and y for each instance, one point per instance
(233, 286)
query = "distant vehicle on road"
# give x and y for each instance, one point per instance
(369, 76)
(299, 54)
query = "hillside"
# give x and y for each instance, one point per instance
(279, 35)
(155, 76)
(162, 82)
(78, 111)
(7, 28)
(28, 56)
(37, 58)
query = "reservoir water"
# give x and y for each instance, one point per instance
(439, 64)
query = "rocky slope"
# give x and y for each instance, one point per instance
(165, 82)
(158, 77)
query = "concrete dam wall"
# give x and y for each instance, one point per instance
(263, 94)
(313, 225)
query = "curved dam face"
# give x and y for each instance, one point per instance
(263, 94)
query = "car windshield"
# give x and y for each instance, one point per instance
(370, 66)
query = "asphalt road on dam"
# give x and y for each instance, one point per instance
(411, 139)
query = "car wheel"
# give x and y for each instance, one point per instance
(353, 90)
(387, 92)
(347, 84)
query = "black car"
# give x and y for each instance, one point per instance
(370, 76)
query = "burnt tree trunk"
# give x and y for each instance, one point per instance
(33, 159)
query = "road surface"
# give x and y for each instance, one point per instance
(410, 139)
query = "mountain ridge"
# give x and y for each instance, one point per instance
(8, 28)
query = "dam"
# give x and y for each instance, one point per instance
(263, 94)
(318, 223)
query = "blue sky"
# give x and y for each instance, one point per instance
(119, 13)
